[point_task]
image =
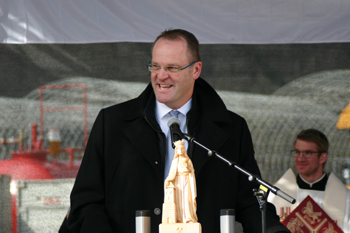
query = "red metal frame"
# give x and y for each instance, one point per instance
(35, 153)
(69, 108)
(14, 212)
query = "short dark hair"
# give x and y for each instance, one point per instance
(176, 34)
(316, 136)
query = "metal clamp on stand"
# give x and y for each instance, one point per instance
(261, 195)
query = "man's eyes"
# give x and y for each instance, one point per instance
(172, 68)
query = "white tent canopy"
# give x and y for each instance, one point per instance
(212, 21)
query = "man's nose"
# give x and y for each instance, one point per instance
(301, 157)
(162, 74)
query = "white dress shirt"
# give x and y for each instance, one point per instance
(163, 116)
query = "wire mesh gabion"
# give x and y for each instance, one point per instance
(313, 101)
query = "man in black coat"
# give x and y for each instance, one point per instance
(123, 167)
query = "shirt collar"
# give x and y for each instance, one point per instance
(162, 109)
(319, 184)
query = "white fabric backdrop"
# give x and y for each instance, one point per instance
(212, 21)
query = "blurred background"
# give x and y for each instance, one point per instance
(283, 66)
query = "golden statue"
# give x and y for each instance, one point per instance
(179, 208)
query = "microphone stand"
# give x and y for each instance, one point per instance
(264, 188)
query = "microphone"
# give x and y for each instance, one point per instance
(175, 132)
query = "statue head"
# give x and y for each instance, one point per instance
(180, 147)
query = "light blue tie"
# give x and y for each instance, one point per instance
(171, 151)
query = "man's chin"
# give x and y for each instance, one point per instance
(163, 98)
(302, 170)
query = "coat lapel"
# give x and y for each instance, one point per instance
(208, 111)
(144, 132)
(212, 137)
(146, 140)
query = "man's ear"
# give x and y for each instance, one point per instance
(323, 157)
(197, 69)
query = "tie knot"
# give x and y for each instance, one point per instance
(174, 113)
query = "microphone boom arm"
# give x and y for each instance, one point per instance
(251, 177)
(264, 188)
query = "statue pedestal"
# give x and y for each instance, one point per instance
(180, 228)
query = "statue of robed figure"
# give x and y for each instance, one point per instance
(180, 206)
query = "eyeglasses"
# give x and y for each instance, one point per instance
(172, 69)
(307, 154)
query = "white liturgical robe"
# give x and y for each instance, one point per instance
(335, 200)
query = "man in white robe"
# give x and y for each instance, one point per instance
(310, 154)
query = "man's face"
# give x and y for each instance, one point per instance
(173, 89)
(310, 169)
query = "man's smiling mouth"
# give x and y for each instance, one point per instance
(163, 86)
